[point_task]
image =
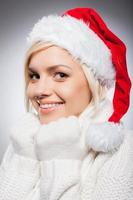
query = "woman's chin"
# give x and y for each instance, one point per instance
(47, 119)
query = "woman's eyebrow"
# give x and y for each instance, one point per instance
(50, 68)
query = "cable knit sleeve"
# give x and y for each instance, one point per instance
(60, 179)
(18, 176)
(104, 176)
(115, 179)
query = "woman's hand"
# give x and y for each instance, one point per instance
(60, 139)
(23, 135)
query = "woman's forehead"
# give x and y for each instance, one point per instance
(53, 57)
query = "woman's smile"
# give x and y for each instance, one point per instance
(49, 107)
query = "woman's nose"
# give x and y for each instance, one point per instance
(44, 86)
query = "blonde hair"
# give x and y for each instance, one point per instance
(98, 91)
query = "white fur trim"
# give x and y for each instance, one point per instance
(75, 36)
(104, 137)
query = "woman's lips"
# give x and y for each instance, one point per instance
(50, 109)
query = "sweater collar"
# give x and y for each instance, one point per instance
(100, 134)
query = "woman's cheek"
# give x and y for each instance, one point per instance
(30, 91)
(65, 92)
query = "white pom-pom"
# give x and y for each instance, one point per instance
(104, 137)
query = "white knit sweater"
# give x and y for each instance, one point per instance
(100, 176)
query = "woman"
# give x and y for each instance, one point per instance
(71, 143)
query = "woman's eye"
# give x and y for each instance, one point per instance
(31, 76)
(60, 75)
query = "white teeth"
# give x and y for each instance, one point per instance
(49, 105)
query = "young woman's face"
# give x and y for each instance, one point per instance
(59, 80)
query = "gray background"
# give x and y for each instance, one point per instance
(16, 20)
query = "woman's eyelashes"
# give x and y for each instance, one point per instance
(60, 75)
(32, 75)
(56, 75)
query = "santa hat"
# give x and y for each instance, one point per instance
(85, 35)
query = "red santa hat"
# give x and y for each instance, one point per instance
(85, 35)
